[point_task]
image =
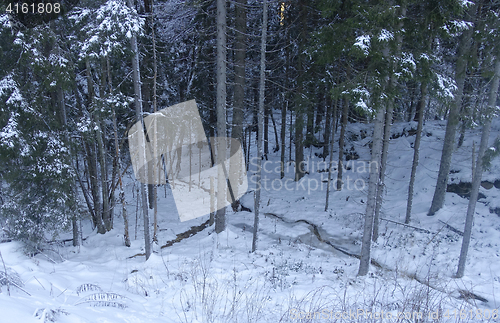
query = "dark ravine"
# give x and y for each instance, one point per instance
(314, 229)
(189, 233)
(462, 189)
(181, 236)
(466, 295)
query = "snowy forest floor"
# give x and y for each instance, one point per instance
(293, 276)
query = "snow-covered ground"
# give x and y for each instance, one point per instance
(292, 277)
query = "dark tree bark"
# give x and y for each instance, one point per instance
(345, 114)
(383, 163)
(364, 263)
(126, 234)
(310, 126)
(300, 106)
(331, 115)
(329, 127)
(391, 86)
(416, 148)
(235, 169)
(284, 108)
(262, 89)
(277, 146)
(453, 118)
(478, 171)
(136, 75)
(266, 132)
(220, 219)
(92, 162)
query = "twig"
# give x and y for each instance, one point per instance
(407, 225)
(62, 292)
(6, 275)
(39, 282)
(65, 240)
(50, 259)
(452, 228)
(8, 280)
(19, 287)
(435, 235)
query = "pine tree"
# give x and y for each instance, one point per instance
(220, 219)
(262, 89)
(463, 53)
(40, 197)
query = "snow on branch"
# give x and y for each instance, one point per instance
(363, 42)
(385, 35)
(105, 29)
(445, 87)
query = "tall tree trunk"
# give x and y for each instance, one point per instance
(283, 137)
(64, 122)
(329, 127)
(478, 171)
(417, 109)
(330, 116)
(101, 144)
(290, 136)
(136, 76)
(300, 106)
(62, 106)
(467, 102)
(364, 263)
(235, 169)
(392, 82)
(85, 190)
(262, 88)
(113, 184)
(266, 131)
(156, 162)
(92, 161)
(284, 108)
(310, 125)
(383, 163)
(220, 220)
(299, 146)
(75, 221)
(343, 126)
(320, 110)
(461, 138)
(453, 118)
(104, 185)
(276, 140)
(126, 234)
(413, 96)
(94, 186)
(416, 147)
